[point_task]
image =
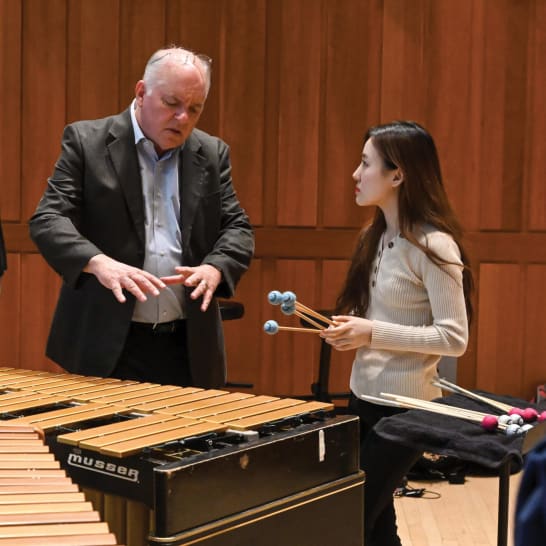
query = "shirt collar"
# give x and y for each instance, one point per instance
(139, 135)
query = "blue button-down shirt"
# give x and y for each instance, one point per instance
(162, 227)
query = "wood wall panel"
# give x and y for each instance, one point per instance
(349, 105)
(500, 346)
(190, 23)
(447, 94)
(92, 81)
(535, 121)
(10, 123)
(244, 337)
(293, 365)
(333, 276)
(271, 114)
(36, 310)
(142, 31)
(242, 101)
(295, 85)
(404, 52)
(43, 113)
(534, 370)
(10, 311)
(470, 115)
(504, 92)
(300, 46)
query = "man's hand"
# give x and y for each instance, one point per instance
(205, 278)
(117, 276)
(350, 333)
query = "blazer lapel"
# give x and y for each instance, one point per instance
(122, 150)
(191, 181)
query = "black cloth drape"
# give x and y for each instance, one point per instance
(466, 440)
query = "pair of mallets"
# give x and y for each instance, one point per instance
(291, 306)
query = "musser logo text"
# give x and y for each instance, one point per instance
(103, 467)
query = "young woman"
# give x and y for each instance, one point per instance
(405, 302)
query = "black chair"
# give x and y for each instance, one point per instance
(233, 310)
(320, 388)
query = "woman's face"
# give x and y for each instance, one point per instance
(375, 184)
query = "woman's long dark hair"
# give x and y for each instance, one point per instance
(421, 200)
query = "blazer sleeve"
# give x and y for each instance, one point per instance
(55, 225)
(234, 246)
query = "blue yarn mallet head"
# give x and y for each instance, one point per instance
(271, 327)
(289, 297)
(274, 297)
(288, 308)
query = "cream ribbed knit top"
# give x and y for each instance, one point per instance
(418, 314)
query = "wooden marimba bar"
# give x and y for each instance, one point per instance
(39, 504)
(118, 437)
(159, 413)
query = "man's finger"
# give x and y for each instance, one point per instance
(207, 297)
(173, 279)
(118, 293)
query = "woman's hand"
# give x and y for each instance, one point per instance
(349, 333)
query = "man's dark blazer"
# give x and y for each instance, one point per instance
(94, 204)
(3, 261)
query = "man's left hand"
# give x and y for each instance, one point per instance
(205, 278)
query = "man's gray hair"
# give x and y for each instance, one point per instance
(180, 55)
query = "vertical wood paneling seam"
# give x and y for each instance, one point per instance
(17, 364)
(322, 124)
(517, 149)
(426, 24)
(528, 151)
(221, 66)
(270, 167)
(382, 70)
(66, 57)
(524, 273)
(475, 320)
(20, 123)
(264, 110)
(475, 105)
(120, 23)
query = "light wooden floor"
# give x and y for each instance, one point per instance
(464, 515)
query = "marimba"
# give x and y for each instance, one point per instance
(39, 504)
(198, 466)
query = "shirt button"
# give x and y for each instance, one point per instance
(391, 244)
(373, 283)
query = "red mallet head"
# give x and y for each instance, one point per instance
(489, 422)
(529, 415)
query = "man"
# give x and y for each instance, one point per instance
(3, 261)
(141, 220)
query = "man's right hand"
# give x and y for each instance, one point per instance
(117, 276)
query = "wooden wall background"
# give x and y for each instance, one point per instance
(296, 83)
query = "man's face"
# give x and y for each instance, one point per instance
(168, 112)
